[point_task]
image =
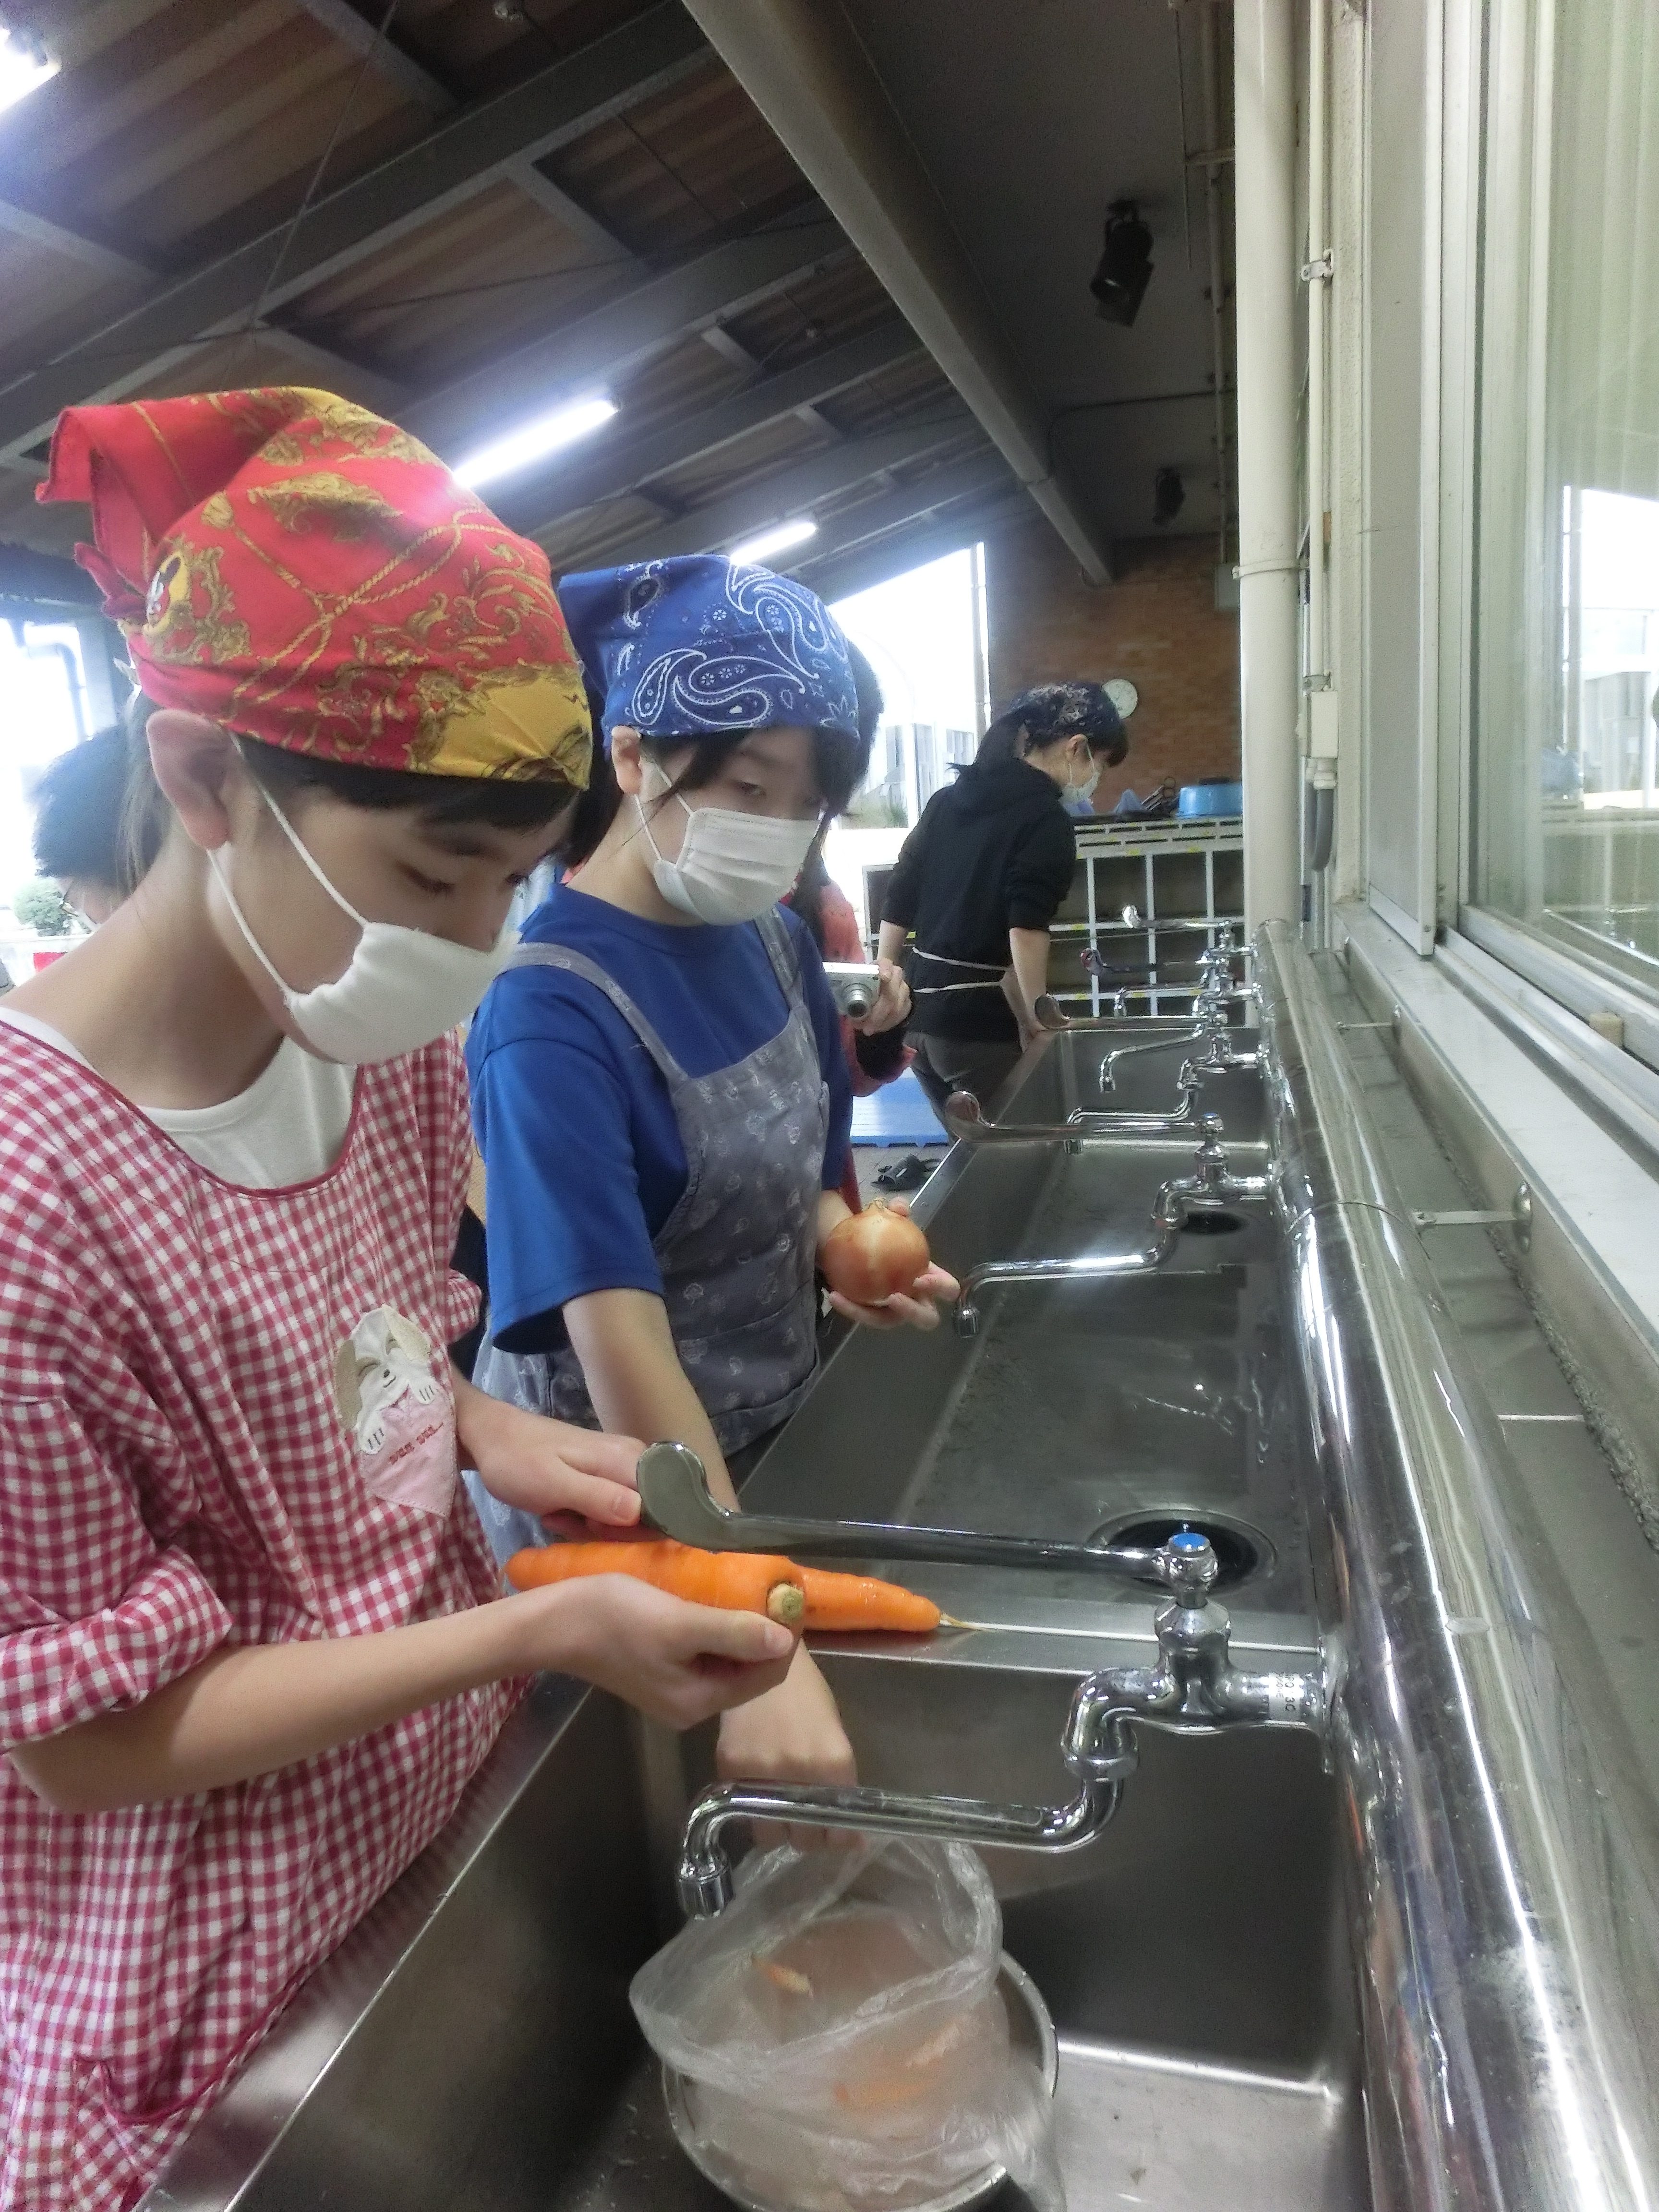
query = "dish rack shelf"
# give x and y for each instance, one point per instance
(1183, 882)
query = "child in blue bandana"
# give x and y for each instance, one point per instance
(660, 1088)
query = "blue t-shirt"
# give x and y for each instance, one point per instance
(578, 1133)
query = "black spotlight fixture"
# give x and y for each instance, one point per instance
(1125, 269)
(1169, 495)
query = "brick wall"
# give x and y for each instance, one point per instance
(1156, 624)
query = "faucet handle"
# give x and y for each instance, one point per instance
(1189, 1567)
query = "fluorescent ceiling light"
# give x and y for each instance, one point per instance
(542, 436)
(775, 541)
(25, 64)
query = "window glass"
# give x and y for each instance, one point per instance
(1566, 785)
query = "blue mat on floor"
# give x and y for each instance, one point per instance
(897, 1114)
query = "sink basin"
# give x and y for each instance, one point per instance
(1076, 1404)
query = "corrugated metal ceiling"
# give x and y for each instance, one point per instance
(554, 166)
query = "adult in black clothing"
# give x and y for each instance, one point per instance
(981, 877)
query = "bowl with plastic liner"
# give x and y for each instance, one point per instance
(847, 2036)
(1031, 2032)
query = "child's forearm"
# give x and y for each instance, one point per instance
(634, 1376)
(254, 1708)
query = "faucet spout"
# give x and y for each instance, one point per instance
(965, 1119)
(704, 1879)
(1087, 1267)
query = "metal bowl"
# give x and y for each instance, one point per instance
(1030, 2031)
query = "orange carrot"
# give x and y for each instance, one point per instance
(741, 1582)
(847, 1603)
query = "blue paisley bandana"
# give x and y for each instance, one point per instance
(699, 646)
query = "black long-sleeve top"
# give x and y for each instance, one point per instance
(993, 852)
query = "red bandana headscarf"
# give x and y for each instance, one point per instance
(294, 568)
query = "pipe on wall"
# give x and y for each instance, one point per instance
(1320, 681)
(1264, 136)
(802, 64)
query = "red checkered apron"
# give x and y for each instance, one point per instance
(183, 1468)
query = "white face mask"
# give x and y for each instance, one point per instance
(731, 866)
(402, 987)
(1086, 790)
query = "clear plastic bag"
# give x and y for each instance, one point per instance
(841, 2037)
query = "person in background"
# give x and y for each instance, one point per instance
(659, 1091)
(78, 839)
(874, 1057)
(981, 877)
(252, 1643)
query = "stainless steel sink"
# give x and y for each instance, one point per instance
(471, 2044)
(1471, 1884)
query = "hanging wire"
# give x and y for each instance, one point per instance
(291, 229)
(521, 14)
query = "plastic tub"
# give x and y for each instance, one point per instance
(1204, 802)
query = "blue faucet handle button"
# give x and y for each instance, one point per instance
(1188, 1540)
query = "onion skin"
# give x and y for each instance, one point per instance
(872, 1256)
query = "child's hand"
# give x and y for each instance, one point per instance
(580, 1483)
(892, 1004)
(917, 1308)
(677, 1662)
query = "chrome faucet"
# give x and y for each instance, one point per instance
(1217, 1054)
(1087, 1267)
(1210, 1025)
(1210, 1183)
(965, 1119)
(1193, 1690)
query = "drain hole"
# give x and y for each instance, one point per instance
(1211, 1221)
(1239, 1549)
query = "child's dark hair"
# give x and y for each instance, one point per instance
(495, 802)
(77, 820)
(839, 762)
(1048, 713)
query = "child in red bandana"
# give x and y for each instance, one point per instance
(251, 1650)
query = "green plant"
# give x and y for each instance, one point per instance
(41, 907)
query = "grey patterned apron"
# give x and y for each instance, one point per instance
(738, 1251)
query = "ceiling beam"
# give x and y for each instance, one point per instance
(477, 147)
(692, 438)
(977, 475)
(643, 321)
(789, 491)
(805, 69)
(569, 213)
(45, 578)
(393, 60)
(34, 223)
(41, 228)
(384, 55)
(366, 386)
(927, 537)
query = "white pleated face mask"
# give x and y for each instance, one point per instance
(402, 987)
(730, 866)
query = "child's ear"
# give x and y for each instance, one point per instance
(628, 760)
(200, 771)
